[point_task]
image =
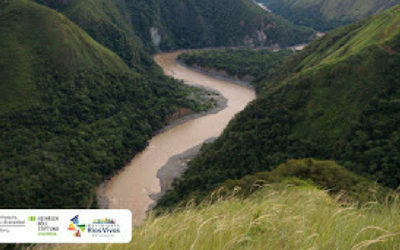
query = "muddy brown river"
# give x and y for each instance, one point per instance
(131, 187)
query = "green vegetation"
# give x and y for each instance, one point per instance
(71, 111)
(245, 64)
(337, 99)
(167, 25)
(80, 93)
(325, 15)
(109, 24)
(326, 175)
(279, 216)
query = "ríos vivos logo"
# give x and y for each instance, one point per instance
(104, 227)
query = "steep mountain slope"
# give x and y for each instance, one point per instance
(71, 111)
(166, 25)
(109, 24)
(337, 99)
(327, 14)
(19, 54)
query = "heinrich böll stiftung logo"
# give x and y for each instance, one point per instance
(77, 228)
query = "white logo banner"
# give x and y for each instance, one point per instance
(65, 226)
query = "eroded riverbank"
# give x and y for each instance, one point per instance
(132, 187)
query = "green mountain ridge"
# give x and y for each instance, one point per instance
(325, 175)
(337, 99)
(327, 14)
(63, 46)
(168, 25)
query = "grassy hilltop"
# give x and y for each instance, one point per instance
(281, 212)
(278, 217)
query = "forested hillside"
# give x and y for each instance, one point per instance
(80, 93)
(71, 111)
(337, 99)
(244, 64)
(166, 25)
(327, 14)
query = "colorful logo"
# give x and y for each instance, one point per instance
(103, 226)
(104, 221)
(31, 218)
(76, 227)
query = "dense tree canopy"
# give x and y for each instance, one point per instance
(72, 112)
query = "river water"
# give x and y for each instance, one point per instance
(131, 187)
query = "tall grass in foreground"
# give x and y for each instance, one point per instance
(272, 218)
